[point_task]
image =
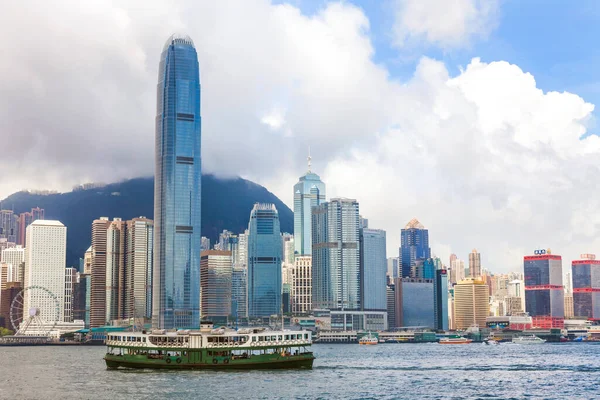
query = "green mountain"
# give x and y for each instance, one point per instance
(226, 204)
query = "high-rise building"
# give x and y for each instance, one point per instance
(414, 239)
(336, 258)
(309, 192)
(15, 256)
(474, 264)
(27, 218)
(7, 295)
(204, 243)
(373, 268)
(138, 263)
(440, 301)
(98, 276)
(544, 294)
(9, 226)
(471, 303)
(457, 271)
(224, 241)
(569, 306)
(239, 293)
(391, 305)
(586, 287)
(302, 285)
(177, 180)
(414, 302)
(242, 258)
(288, 248)
(115, 270)
(392, 267)
(264, 261)
(45, 259)
(216, 270)
(70, 281)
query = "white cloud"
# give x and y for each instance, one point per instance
(444, 23)
(484, 159)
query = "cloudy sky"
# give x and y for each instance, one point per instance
(475, 116)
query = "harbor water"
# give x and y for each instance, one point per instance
(341, 371)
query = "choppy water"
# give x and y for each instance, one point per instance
(349, 371)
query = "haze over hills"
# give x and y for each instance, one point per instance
(226, 204)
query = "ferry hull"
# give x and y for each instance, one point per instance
(301, 362)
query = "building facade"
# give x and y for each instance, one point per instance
(544, 293)
(25, 219)
(474, 264)
(414, 245)
(15, 257)
(302, 285)
(373, 269)
(264, 261)
(9, 226)
(45, 260)
(414, 302)
(98, 272)
(336, 255)
(440, 301)
(309, 192)
(177, 188)
(586, 288)
(471, 303)
(216, 269)
(239, 292)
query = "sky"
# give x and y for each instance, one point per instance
(475, 116)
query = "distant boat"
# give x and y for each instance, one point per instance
(458, 340)
(490, 341)
(368, 339)
(529, 339)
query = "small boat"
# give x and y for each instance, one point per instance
(528, 339)
(489, 341)
(368, 339)
(458, 340)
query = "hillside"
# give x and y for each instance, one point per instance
(226, 204)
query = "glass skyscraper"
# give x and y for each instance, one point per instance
(335, 255)
(308, 192)
(373, 268)
(414, 245)
(177, 237)
(264, 261)
(544, 292)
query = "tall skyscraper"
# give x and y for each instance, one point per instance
(336, 255)
(177, 179)
(15, 257)
(474, 264)
(115, 269)
(25, 219)
(45, 260)
(239, 292)
(414, 302)
(288, 248)
(471, 303)
(216, 270)
(98, 281)
(373, 268)
(9, 226)
(586, 287)
(308, 192)
(70, 282)
(440, 301)
(302, 285)
(414, 245)
(544, 293)
(264, 261)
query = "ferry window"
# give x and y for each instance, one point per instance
(293, 337)
(287, 337)
(279, 337)
(306, 336)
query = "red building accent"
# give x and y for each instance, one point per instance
(543, 257)
(548, 322)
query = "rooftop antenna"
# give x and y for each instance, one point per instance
(309, 158)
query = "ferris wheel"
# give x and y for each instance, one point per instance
(31, 322)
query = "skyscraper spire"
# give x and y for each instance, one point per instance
(309, 158)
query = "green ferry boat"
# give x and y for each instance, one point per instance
(208, 348)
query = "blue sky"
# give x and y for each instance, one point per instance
(554, 40)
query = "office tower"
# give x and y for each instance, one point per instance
(457, 271)
(223, 244)
(242, 260)
(81, 298)
(474, 264)
(544, 295)
(373, 268)
(286, 298)
(177, 179)
(239, 293)
(115, 269)
(440, 301)
(309, 192)
(138, 265)
(15, 256)
(25, 219)
(586, 287)
(215, 279)
(391, 305)
(264, 261)
(98, 273)
(363, 223)
(414, 302)
(414, 239)
(88, 260)
(392, 267)
(424, 268)
(471, 303)
(302, 285)
(287, 273)
(9, 226)
(336, 258)
(288, 248)
(70, 281)
(204, 243)
(515, 299)
(45, 258)
(569, 306)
